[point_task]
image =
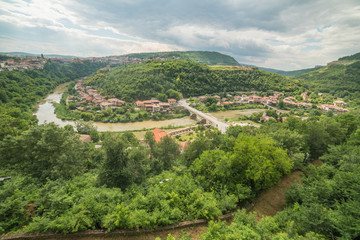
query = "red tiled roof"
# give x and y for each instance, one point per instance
(158, 134)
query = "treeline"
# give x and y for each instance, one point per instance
(149, 79)
(60, 184)
(21, 90)
(203, 57)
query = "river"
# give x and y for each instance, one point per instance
(45, 113)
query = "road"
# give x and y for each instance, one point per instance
(220, 125)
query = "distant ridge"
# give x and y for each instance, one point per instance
(203, 57)
(289, 73)
(25, 54)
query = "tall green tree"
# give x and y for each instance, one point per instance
(45, 151)
(123, 165)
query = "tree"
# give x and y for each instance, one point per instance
(258, 162)
(45, 151)
(210, 101)
(162, 97)
(166, 151)
(84, 127)
(195, 149)
(123, 165)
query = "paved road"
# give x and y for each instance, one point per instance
(220, 125)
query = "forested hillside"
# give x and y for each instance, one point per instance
(20, 90)
(204, 57)
(340, 78)
(146, 80)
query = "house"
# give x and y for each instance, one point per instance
(116, 102)
(140, 104)
(156, 107)
(237, 98)
(203, 98)
(304, 96)
(172, 101)
(155, 101)
(149, 107)
(265, 118)
(339, 103)
(159, 134)
(98, 97)
(105, 105)
(217, 97)
(164, 106)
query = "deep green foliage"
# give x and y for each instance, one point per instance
(21, 90)
(124, 162)
(203, 57)
(45, 151)
(339, 78)
(146, 80)
(254, 161)
(244, 226)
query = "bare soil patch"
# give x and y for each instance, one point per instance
(271, 201)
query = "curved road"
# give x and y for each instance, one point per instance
(220, 125)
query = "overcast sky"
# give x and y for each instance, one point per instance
(281, 34)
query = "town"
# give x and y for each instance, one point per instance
(337, 107)
(90, 97)
(29, 62)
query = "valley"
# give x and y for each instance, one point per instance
(250, 135)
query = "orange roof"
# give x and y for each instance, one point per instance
(171, 100)
(158, 134)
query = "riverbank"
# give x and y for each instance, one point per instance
(45, 114)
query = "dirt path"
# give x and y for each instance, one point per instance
(271, 201)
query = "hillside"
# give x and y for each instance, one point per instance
(288, 73)
(203, 57)
(340, 76)
(146, 80)
(20, 90)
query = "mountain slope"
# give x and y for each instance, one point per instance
(203, 57)
(338, 76)
(148, 79)
(288, 73)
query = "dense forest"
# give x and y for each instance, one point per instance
(21, 90)
(341, 78)
(149, 79)
(203, 57)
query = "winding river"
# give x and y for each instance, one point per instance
(45, 114)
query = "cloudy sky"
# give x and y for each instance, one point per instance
(281, 34)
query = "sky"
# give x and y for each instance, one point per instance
(280, 34)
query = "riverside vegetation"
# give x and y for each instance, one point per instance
(60, 184)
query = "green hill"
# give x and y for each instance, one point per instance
(289, 73)
(356, 56)
(151, 78)
(203, 57)
(340, 76)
